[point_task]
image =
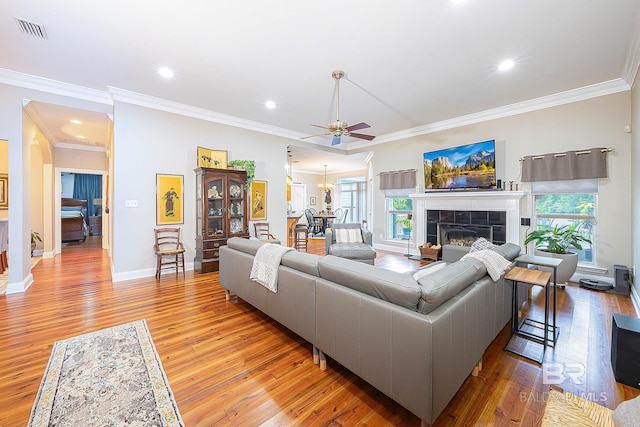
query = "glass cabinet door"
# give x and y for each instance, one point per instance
(236, 207)
(215, 207)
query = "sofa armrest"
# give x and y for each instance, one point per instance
(328, 239)
(367, 237)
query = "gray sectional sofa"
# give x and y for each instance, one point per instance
(415, 341)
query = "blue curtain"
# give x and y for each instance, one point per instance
(89, 187)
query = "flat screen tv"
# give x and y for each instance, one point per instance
(463, 167)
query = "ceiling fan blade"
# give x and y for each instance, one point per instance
(313, 136)
(362, 136)
(321, 127)
(358, 126)
(336, 140)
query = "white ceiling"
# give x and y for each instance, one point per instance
(410, 64)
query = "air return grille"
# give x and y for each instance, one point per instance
(31, 28)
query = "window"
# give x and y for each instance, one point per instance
(351, 194)
(398, 210)
(573, 204)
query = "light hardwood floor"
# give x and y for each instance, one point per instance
(229, 364)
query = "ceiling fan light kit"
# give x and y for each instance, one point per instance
(338, 128)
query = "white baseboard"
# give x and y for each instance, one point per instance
(20, 287)
(139, 274)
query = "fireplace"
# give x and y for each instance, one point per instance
(498, 209)
(462, 235)
(464, 227)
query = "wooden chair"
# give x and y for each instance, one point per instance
(169, 250)
(314, 226)
(262, 232)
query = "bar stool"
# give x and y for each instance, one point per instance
(301, 235)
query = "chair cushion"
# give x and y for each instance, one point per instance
(352, 250)
(348, 235)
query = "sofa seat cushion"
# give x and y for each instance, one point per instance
(352, 250)
(443, 284)
(387, 285)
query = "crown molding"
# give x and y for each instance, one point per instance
(85, 147)
(42, 84)
(567, 97)
(199, 113)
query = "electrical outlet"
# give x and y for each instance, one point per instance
(130, 203)
(525, 221)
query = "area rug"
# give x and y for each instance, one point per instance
(109, 377)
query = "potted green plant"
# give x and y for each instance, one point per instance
(557, 242)
(35, 237)
(406, 225)
(247, 165)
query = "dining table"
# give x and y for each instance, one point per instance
(325, 217)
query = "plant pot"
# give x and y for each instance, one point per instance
(567, 267)
(33, 247)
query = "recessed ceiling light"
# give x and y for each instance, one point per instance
(80, 136)
(270, 105)
(75, 121)
(506, 65)
(165, 72)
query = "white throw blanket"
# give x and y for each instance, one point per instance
(265, 265)
(496, 264)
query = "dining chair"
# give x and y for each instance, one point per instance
(169, 250)
(338, 216)
(343, 220)
(262, 231)
(314, 225)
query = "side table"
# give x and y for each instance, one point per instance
(536, 278)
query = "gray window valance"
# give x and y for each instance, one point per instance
(395, 180)
(579, 164)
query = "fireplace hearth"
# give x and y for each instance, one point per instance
(465, 227)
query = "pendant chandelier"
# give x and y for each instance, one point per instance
(324, 186)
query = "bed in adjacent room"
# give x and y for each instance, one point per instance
(73, 223)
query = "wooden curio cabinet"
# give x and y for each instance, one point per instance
(222, 212)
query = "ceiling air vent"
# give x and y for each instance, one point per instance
(32, 29)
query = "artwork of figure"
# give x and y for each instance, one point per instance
(258, 203)
(327, 196)
(213, 193)
(168, 198)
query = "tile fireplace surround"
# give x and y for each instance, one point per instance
(468, 201)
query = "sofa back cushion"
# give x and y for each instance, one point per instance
(244, 245)
(387, 285)
(443, 284)
(301, 261)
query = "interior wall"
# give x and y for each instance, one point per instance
(598, 122)
(4, 168)
(148, 142)
(635, 185)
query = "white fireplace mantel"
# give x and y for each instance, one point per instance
(507, 201)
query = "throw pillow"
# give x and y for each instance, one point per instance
(481, 244)
(496, 264)
(348, 235)
(429, 269)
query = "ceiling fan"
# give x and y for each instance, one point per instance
(340, 128)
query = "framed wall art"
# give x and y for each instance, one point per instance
(258, 197)
(216, 159)
(169, 199)
(4, 191)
